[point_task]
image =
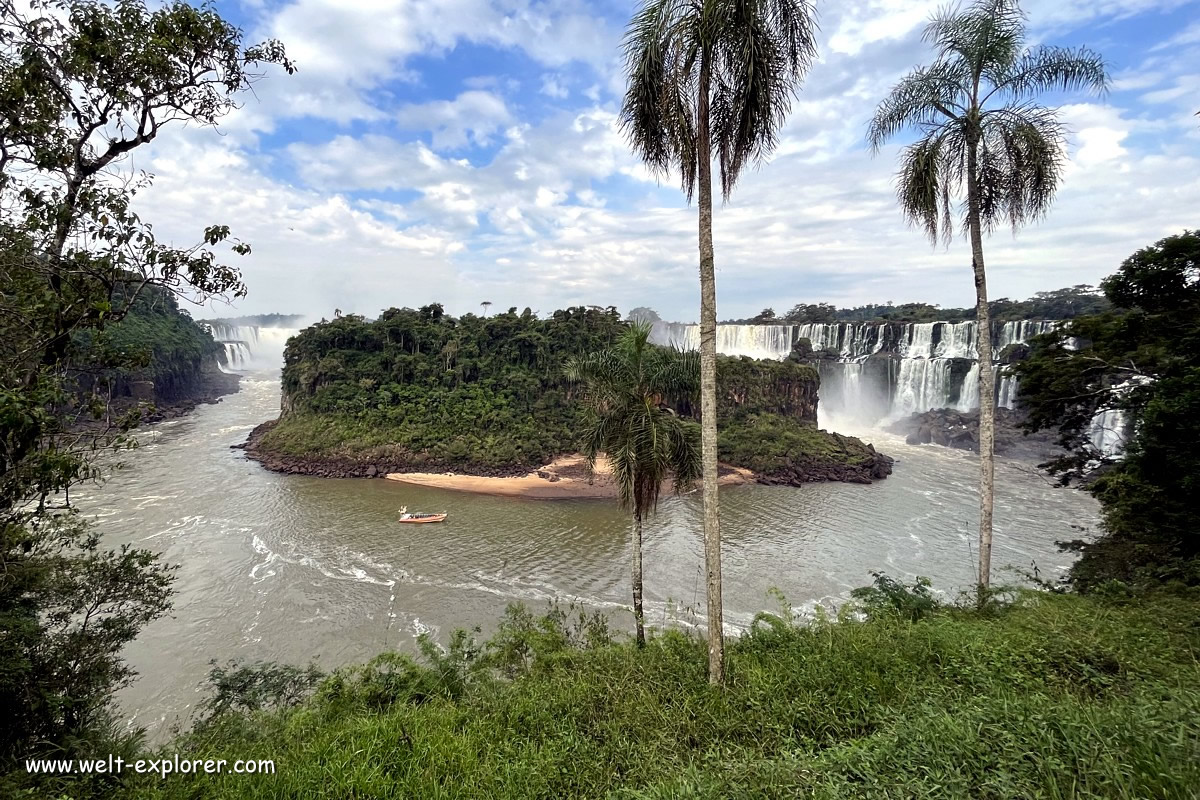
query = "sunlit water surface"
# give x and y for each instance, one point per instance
(290, 568)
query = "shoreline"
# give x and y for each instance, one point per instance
(565, 478)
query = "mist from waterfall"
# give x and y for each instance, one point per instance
(924, 365)
(876, 372)
(251, 347)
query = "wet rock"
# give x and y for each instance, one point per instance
(948, 427)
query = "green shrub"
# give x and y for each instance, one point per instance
(1058, 696)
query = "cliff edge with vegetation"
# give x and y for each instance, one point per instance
(157, 355)
(421, 391)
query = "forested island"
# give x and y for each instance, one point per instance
(420, 390)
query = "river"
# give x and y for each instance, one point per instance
(292, 568)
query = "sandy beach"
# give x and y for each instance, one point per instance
(565, 478)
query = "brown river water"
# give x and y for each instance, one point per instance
(292, 568)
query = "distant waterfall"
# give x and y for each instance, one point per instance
(873, 370)
(251, 346)
(1109, 431)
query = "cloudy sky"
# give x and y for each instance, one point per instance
(458, 151)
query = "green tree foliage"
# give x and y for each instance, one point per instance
(425, 389)
(646, 442)
(1141, 359)
(1065, 303)
(154, 341)
(803, 313)
(82, 85)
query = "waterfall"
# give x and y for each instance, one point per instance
(1108, 431)
(958, 341)
(924, 383)
(873, 370)
(249, 347)
(968, 395)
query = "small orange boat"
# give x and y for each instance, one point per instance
(405, 516)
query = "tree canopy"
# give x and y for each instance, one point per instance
(1066, 303)
(1140, 362)
(88, 301)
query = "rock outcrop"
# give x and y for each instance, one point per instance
(958, 429)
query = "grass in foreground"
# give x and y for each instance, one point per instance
(1057, 696)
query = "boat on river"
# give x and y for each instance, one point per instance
(420, 516)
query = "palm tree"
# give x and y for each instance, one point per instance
(625, 388)
(709, 76)
(982, 134)
(486, 304)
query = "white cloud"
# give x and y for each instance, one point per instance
(1098, 132)
(471, 118)
(312, 251)
(552, 86)
(343, 49)
(561, 212)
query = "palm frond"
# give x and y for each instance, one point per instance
(673, 373)
(926, 97)
(1022, 156)
(685, 453)
(656, 114)
(1020, 146)
(930, 174)
(761, 51)
(758, 52)
(986, 32)
(1047, 69)
(625, 387)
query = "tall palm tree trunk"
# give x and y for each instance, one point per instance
(708, 384)
(639, 616)
(987, 380)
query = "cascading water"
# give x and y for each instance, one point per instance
(870, 371)
(251, 347)
(876, 371)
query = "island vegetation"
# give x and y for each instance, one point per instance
(422, 391)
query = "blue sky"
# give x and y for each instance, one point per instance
(464, 150)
